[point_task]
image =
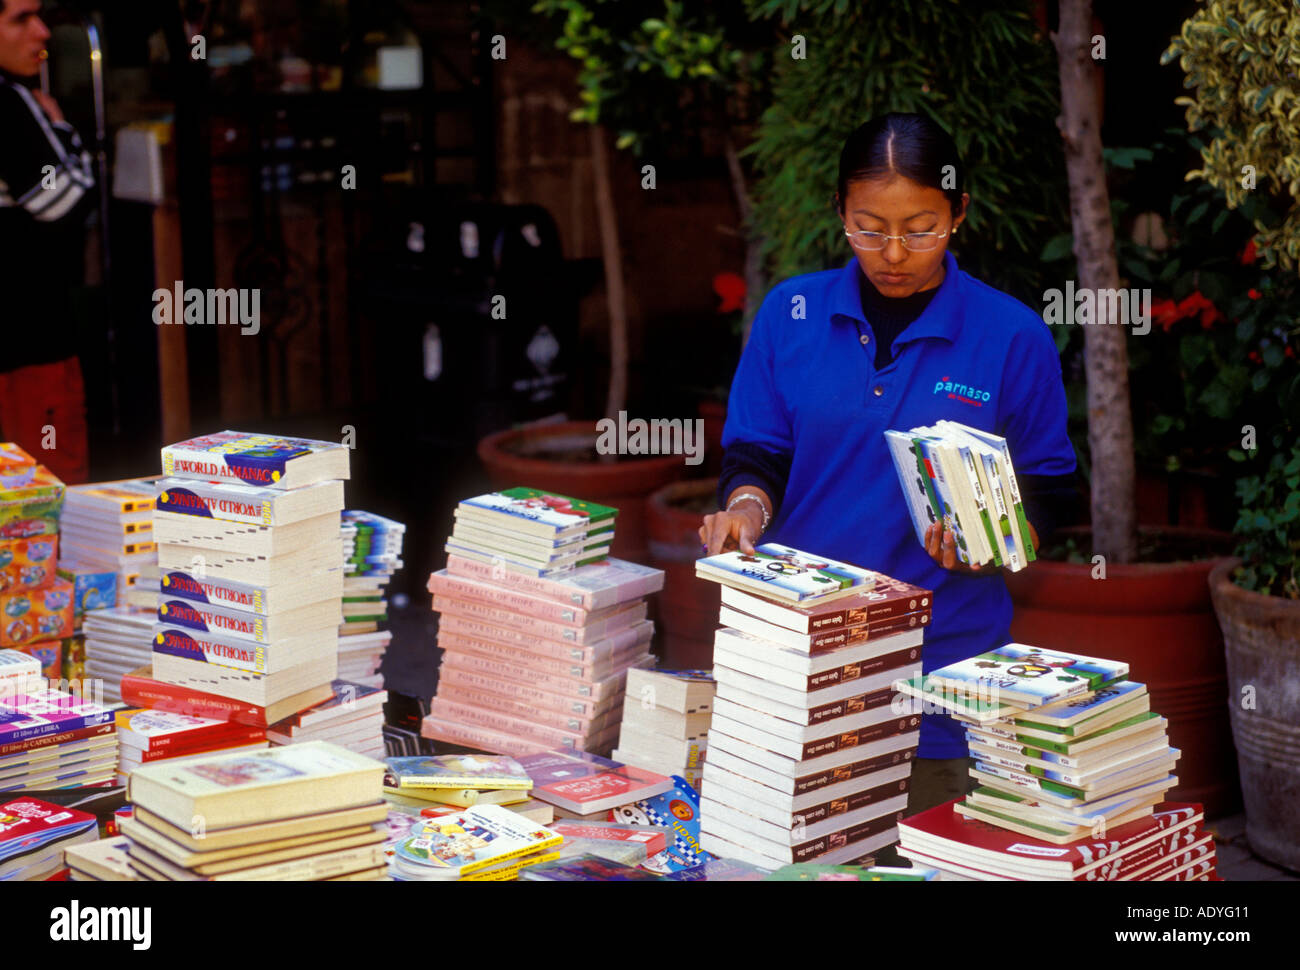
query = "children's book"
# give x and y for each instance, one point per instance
(473, 839)
(1026, 676)
(786, 574)
(454, 772)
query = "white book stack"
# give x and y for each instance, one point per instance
(665, 727)
(807, 759)
(250, 565)
(353, 718)
(118, 640)
(108, 527)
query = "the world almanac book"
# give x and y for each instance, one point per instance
(785, 574)
(268, 461)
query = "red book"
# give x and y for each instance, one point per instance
(941, 833)
(210, 748)
(67, 737)
(166, 734)
(655, 842)
(586, 784)
(141, 690)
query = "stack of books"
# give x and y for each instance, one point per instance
(536, 661)
(665, 727)
(36, 604)
(531, 531)
(145, 736)
(1064, 746)
(807, 760)
(629, 845)
(117, 641)
(19, 673)
(813, 872)
(35, 835)
(251, 584)
(105, 860)
(308, 811)
(372, 553)
(483, 843)
(1169, 844)
(53, 739)
(139, 688)
(107, 527)
(352, 717)
(963, 477)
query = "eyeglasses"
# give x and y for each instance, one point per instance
(913, 242)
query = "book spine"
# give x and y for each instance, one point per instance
(1002, 512)
(14, 735)
(949, 500)
(211, 744)
(494, 742)
(1117, 869)
(1090, 852)
(545, 588)
(48, 740)
(596, 690)
(191, 646)
(466, 714)
(862, 668)
(865, 735)
(530, 661)
(252, 599)
(506, 599)
(181, 700)
(475, 680)
(849, 803)
(193, 500)
(850, 705)
(547, 630)
(615, 642)
(807, 851)
(1016, 504)
(472, 867)
(833, 776)
(863, 632)
(976, 483)
(512, 708)
(205, 619)
(201, 738)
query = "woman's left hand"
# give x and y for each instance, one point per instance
(942, 547)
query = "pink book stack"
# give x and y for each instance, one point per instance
(537, 662)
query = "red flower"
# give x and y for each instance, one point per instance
(1248, 254)
(1196, 302)
(731, 288)
(1289, 352)
(1254, 357)
(1253, 293)
(1165, 313)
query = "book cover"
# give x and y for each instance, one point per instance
(586, 783)
(678, 811)
(888, 598)
(248, 504)
(535, 512)
(1016, 673)
(592, 587)
(27, 563)
(786, 573)
(27, 824)
(155, 731)
(39, 713)
(473, 839)
(1010, 486)
(457, 771)
(265, 460)
(140, 689)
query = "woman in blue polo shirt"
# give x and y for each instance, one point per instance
(898, 337)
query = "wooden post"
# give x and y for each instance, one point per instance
(612, 256)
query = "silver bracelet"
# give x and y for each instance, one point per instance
(753, 498)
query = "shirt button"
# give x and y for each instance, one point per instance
(866, 339)
(877, 390)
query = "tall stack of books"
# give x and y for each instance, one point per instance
(36, 604)
(1170, 844)
(1065, 747)
(372, 553)
(251, 585)
(308, 811)
(665, 727)
(535, 655)
(107, 527)
(963, 477)
(53, 739)
(807, 760)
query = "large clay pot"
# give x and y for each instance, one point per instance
(522, 457)
(1159, 618)
(687, 608)
(1262, 639)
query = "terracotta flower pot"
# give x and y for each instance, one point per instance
(1159, 618)
(554, 457)
(687, 608)
(1262, 638)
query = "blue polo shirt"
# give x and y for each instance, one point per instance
(807, 387)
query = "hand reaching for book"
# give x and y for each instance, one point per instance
(728, 531)
(942, 547)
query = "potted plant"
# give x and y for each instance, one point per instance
(1242, 94)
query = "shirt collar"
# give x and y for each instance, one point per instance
(940, 319)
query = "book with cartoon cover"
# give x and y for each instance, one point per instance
(785, 573)
(534, 512)
(253, 459)
(1026, 676)
(470, 840)
(455, 772)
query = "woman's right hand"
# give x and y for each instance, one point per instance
(737, 529)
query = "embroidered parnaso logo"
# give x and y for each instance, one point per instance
(966, 393)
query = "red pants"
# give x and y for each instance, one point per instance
(45, 405)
